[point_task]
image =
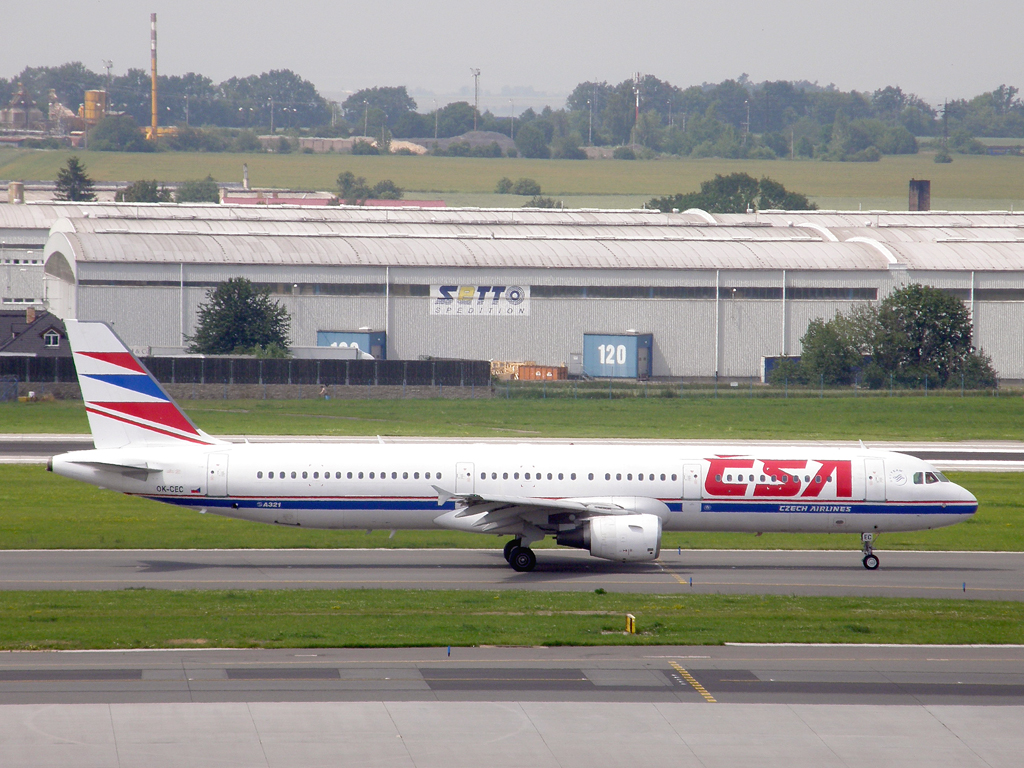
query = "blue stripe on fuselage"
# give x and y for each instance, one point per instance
(430, 503)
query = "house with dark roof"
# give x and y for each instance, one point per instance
(32, 333)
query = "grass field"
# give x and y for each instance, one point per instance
(970, 182)
(946, 417)
(387, 618)
(39, 510)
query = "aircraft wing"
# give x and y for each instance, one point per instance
(490, 513)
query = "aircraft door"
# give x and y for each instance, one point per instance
(464, 477)
(691, 488)
(874, 479)
(217, 475)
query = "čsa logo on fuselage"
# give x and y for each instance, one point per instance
(734, 476)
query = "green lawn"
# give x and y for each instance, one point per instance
(39, 510)
(946, 417)
(391, 618)
(972, 182)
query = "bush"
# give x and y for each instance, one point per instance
(943, 156)
(361, 147)
(204, 191)
(504, 185)
(511, 152)
(458, 149)
(869, 155)
(624, 153)
(143, 191)
(118, 133)
(246, 141)
(786, 371)
(387, 190)
(540, 202)
(526, 187)
(284, 146)
(486, 150)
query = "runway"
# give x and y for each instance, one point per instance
(1007, 455)
(660, 706)
(959, 575)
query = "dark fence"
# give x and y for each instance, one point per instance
(235, 370)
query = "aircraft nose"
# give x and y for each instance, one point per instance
(967, 496)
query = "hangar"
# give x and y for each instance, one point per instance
(699, 295)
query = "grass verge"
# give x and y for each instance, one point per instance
(39, 510)
(388, 618)
(943, 417)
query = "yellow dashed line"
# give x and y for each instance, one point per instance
(693, 682)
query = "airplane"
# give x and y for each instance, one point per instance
(613, 500)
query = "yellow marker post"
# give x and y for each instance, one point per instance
(630, 624)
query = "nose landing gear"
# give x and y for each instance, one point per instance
(870, 559)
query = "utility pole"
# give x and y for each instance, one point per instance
(590, 125)
(366, 115)
(636, 115)
(476, 95)
(435, 119)
(107, 64)
(511, 119)
(271, 115)
(746, 125)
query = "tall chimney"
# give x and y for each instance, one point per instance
(152, 61)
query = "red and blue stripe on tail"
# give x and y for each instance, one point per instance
(125, 404)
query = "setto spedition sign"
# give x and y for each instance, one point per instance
(480, 300)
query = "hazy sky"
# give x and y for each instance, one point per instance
(937, 49)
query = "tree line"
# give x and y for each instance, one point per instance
(733, 118)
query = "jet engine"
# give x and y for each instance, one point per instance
(625, 538)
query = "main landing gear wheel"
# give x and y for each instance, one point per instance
(522, 559)
(509, 546)
(870, 562)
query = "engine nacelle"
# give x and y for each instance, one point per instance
(626, 538)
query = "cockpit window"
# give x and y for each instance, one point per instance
(929, 478)
(942, 477)
(918, 478)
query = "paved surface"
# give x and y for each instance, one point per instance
(794, 707)
(972, 575)
(968, 456)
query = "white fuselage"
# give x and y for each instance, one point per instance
(398, 486)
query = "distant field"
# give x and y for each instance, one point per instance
(39, 510)
(972, 182)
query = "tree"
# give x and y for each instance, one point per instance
(73, 184)
(395, 102)
(525, 187)
(922, 331)
(202, 191)
(387, 190)
(831, 352)
(143, 191)
(530, 142)
(352, 189)
(735, 193)
(239, 318)
(118, 133)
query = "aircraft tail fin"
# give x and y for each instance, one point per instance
(125, 403)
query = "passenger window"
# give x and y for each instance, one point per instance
(405, 475)
(775, 479)
(607, 476)
(438, 475)
(426, 475)
(629, 476)
(663, 476)
(360, 475)
(371, 475)
(305, 475)
(651, 478)
(559, 475)
(817, 479)
(718, 478)
(728, 478)
(281, 475)
(618, 475)
(504, 475)
(515, 475)
(415, 475)
(394, 475)
(483, 475)
(640, 477)
(494, 475)
(259, 475)
(526, 476)
(673, 478)
(350, 475)
(293, 475)
(316, 475)
(549, 475)
(572, 476)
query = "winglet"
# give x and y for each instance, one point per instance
(442, 495)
